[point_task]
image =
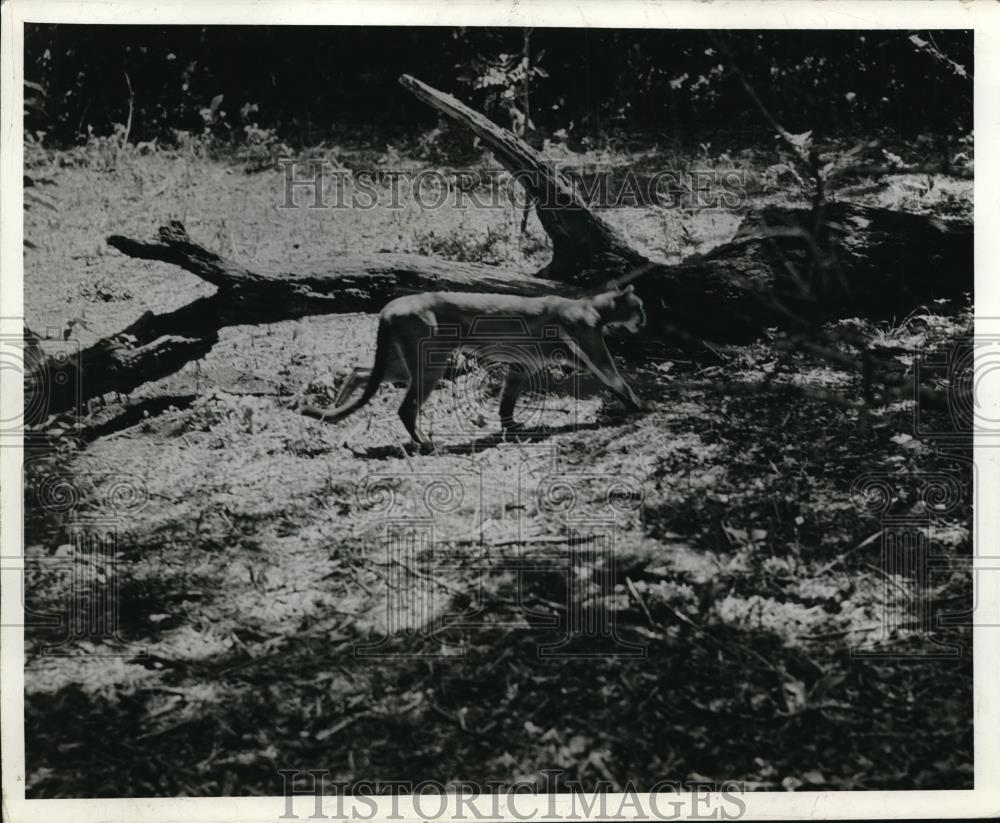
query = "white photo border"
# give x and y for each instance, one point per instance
(982, 16)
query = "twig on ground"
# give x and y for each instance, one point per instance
(131, 108)
(841, 557)
(402, 448)
(341, 725)
(842, 633)
(888, 579)
(423, 575)
(637, 596)
(728, 647)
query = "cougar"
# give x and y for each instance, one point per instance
(418, 336)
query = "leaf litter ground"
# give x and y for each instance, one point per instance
(743, 572)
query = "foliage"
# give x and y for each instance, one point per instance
(309, 83)
(34, 107)
(504, 83)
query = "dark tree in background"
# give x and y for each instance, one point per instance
(310, 83)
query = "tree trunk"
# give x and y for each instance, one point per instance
(786, 269)
(157, 345)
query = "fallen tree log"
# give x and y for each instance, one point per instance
(157, 345)
(786, 267)
(874, 263)
(789, 268)
(343, 284)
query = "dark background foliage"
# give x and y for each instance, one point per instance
(313, 82)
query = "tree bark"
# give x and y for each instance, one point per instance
(157, 345)
(581, 241)
(784, 268)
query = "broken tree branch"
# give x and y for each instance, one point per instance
(157, 345)
(582, 243)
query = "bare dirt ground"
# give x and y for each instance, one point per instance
(743, 575)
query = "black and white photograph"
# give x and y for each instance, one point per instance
(563, 417)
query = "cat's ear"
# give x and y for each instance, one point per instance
(628, 289)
